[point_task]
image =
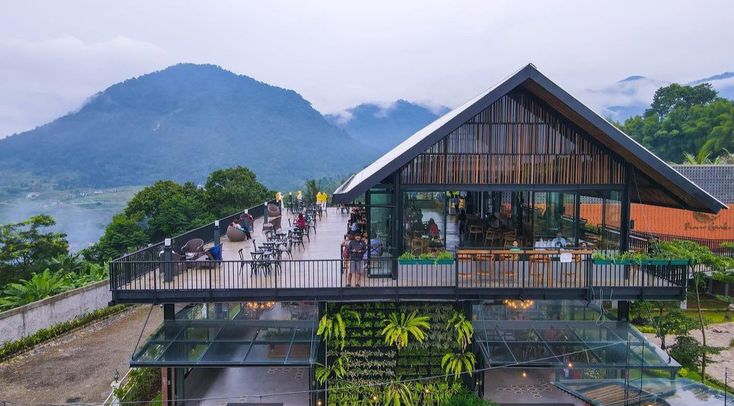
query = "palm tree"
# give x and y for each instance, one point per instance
(463, 327)
(458, 363)
(397, 394)
(701, 158)
(398, 328)
(725, 158)
(312, 187)
(333, 328)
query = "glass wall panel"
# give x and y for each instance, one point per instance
(553, 219)
(424, 221)
(600, 219)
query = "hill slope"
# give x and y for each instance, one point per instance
(181, 123)
(384, 128)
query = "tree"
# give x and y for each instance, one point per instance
(676, 96)
(26, 245)
(686, 120)
(399, 327)
(692, 354)
(231, 190)
(124, 234)
(671, 322)
(312, 188)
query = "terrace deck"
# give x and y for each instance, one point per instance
(317, 272)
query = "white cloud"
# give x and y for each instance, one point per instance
(42, 80)
(340, 53)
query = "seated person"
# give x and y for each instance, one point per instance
(301, 221)
(433, 230)
(515, 246)
(242, 227)
(559, 241)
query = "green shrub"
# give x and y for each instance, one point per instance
(467, 398)
(39, 286)
(11, 348)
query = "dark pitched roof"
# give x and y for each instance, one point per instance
(655, 181)
(717, 180)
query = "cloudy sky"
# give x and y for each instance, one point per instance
(55, 54)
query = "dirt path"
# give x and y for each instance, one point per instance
(717, 335)
(79, 366)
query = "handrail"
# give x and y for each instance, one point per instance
(206, 230)
(501, 270)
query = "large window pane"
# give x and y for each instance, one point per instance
(554, 219)
(424, 221)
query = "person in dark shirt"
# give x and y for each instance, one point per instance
(357, 249)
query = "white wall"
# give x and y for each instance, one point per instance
(26, 320)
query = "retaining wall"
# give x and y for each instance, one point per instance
(26, 320)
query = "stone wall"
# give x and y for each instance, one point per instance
(26, 320)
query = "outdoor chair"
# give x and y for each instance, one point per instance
(475, 230)
(235, 235)
(193, 249)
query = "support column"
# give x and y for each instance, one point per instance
(623, 310)
(624, 221)
(169, 311)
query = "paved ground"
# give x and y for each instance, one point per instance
(509, 387)
(717, 335)
(233, 385)
(77, 367)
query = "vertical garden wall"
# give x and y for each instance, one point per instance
(364, 368)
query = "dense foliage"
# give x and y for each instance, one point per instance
(372, 358)
(26, 247)
(685, 121)
(167, 208)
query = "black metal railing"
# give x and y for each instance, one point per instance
(146, 259)
(279, 277)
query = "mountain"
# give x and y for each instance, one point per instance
(632, 95)
(384, 127)
(181, 123)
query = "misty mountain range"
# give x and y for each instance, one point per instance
(187, 120)
(632, 95)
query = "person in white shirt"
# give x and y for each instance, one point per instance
(559, 241)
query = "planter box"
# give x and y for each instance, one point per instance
(425, 261)
(679, 262)
(602, 261)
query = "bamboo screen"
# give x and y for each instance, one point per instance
(516, 140)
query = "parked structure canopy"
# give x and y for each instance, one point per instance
(229, 343)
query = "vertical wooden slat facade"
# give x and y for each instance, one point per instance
(518, 140)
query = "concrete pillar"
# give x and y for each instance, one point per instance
(169, 311)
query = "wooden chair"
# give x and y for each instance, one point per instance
(491, 237)
(475, 230)
(417, 246)
(540, 266)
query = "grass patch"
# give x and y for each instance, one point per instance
(709, 316)
(12, 348)
(696, 376)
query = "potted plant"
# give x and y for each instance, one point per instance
(407, 258)
(599, 258)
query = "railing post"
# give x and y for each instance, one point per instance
(216, 233)
(456, 274)
(167, 265)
